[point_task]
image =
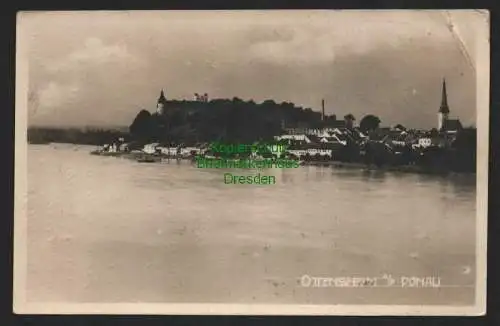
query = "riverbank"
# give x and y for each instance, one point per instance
(395, 168)
(155, 158)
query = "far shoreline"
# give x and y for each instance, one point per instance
(411, 169)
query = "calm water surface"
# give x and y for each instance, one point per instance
(113, 230)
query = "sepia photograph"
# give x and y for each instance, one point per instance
(251, 162)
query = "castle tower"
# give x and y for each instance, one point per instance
(444, 110)
(160, 105)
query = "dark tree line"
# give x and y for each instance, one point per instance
(369, 122)
(459, 157)
(87, 136)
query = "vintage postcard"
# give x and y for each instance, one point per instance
(315, 162)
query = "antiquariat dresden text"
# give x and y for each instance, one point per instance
(249, 179)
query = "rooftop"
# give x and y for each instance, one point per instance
(451, 125)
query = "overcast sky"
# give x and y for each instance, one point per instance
(101, 68)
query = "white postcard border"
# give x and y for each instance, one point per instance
(23, 306)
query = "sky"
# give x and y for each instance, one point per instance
(101, 68)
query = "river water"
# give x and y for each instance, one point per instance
(104, 229)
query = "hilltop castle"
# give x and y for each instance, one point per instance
(163, 104)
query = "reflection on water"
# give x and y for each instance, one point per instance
(113, 230)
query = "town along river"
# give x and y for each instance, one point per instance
(105, 229)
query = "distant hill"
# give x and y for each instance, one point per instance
(83, 127)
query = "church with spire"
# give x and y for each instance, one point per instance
(445, 124)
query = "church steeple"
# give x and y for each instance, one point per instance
(444, 110)
(444, 100)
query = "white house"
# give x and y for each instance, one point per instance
(168, 150)
(335, 138)
(320, 151)
(186, 151)
(297, 152)
(150, 148)
(190, 150)
(323, 149)
(429, 141)
(113, 148)
(425, 142)
(123, 147)
(302, 137)
(323, 132)
(399, 142)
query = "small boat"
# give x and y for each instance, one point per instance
(105, 153)
(148, 159)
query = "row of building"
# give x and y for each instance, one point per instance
(341, 133)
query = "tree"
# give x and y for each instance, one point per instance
(141, 127)
(349, 117)
(349, 120)
(270, 103)
(369, 122)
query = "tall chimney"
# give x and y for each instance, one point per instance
(322, 110)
